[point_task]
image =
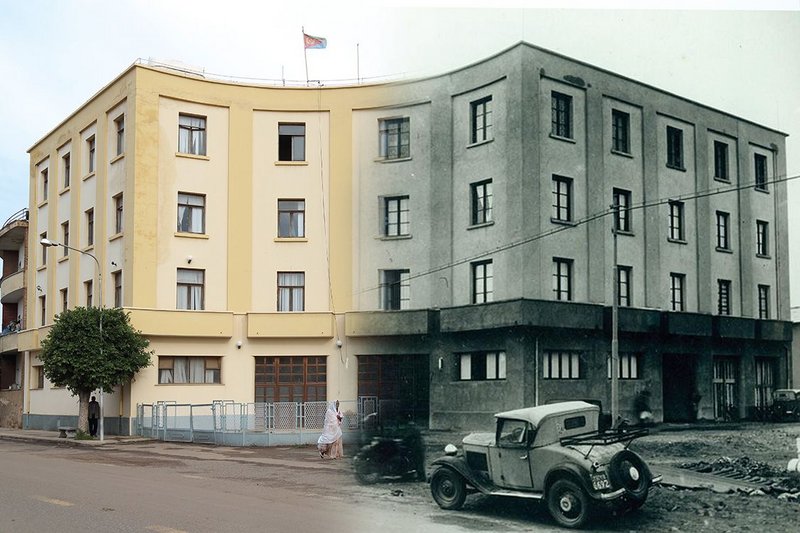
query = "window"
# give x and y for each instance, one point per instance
(118, 213)
(395, 138)
(43, 309)
(723, 297)
(622, 215)
(629, 364)
(624, 274)
(91, 146)
(721, 161)
(561, 115)
(65, 237)
(45, 183)
(481, 120)
(44, 248)
(291, 291)
(88, 288)
(191, 289)
(482, 366)
(481, 201)
(291, 218)
(561, 365)
(765, 381)
(620, 131)
(191, 213)
(291, 142)
(395, 218)
(191, 134)
(290, 379)
(512, 434)
(37, 377)
(119, 126)
(562, 199)
(395, 289)
(64, 299)
(723, 232)
(89, 227)
(117, 288)
(562, 279)
(761, 172)
(763, 301)
(67, 168)
(676, 291)
(175, 370)
(482, 282)
(674, 148)
(762, 238)
(676, 221)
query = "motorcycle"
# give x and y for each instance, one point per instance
(391, 455)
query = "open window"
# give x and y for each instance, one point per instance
(514, 434)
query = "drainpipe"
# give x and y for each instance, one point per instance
(536, 373)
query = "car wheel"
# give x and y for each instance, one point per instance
(365, 472)
(568, 504)
(628, 471)
(448, 488)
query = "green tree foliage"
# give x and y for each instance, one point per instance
(75, 356)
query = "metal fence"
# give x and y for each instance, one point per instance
(249, 424)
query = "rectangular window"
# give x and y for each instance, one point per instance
(761, 172)
(676, 221)
(676, 291)
(65, 237)
(64, 299)
(561, 365)
(481, 120)
(291, 291)
(191, 289)
(66, 165)
(89, 288)
(191, 213)
(674, 148)
(91, 146)
(763, 302)
(119, 126)
(721, 161)
(176, 370)
(482, 282)
(723, 297)
(45, 183)
(622, 215)
(290, 379)
(481, 366)
(765, 382)
(191, 134)
(624, 285)
(620, 131)
(629, 365)
(89, 227)
(117, 288)
(395, 138)
(44, 248)
(395, 289)
(43, 309)
(562, 279)
(291, 142)
(395, 216)
(481, 201)
(118, 213)
(291, 218)
(561, 115)
(723, 231)
(37, 377)
(562, 199)
(762, 238)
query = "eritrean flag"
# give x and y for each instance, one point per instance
(309, 41)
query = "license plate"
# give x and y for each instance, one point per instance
(600, 482)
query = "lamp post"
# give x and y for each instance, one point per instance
(49, 243)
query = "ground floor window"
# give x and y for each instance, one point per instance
(765, 381)
(629, 366)
(37, 377)
(725, 378)
(561, 365)
(176, 370)
(480, 366)
(297, 378)
(399, 384)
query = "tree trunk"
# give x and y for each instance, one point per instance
(83, 410)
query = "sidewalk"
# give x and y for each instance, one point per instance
(36, 435)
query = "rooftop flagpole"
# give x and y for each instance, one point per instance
(305, 51)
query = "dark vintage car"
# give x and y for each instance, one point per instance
(786, 404)
(553, 453)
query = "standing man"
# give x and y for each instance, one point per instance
(94, 415)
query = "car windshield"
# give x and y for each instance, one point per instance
(512, 433)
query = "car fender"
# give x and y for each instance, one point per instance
(459, 464)
(572, 471)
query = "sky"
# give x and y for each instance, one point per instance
(739, 56)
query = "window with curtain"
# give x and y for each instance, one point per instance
(191, 284)
(394, 138)
(291, 218)
(192, 369)
(291, 291)
(191, 135)
(191, 213)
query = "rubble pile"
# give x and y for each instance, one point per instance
(777, 481)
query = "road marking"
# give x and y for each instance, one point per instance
(165, 529)
(54, 501)
(191, 476)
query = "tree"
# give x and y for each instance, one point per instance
(75, 356)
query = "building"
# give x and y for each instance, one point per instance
(444, 243)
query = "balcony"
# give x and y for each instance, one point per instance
(12, 287)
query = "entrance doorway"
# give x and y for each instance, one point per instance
(400, 383)
(679, 379)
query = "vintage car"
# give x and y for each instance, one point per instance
(786, 404)
(554, 453)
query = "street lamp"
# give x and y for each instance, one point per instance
(49, 243)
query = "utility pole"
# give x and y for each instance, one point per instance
(615, 325)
